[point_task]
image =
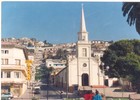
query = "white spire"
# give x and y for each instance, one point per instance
(83, 25)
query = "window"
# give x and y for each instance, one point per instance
(4, 61)
(84, 52)
(16, 74)
(18, 61)
(7, 74)
(4, 51)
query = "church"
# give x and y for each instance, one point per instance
(82, 70)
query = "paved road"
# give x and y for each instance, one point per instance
(47, 93)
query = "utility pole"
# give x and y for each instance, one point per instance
(104, 69)
(47, 89)
(67, 77)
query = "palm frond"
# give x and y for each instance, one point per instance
(126, 8)
(138, 25)
(132, 9)
(131, 16)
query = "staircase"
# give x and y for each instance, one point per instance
(85, 88)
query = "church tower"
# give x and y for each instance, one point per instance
(83, 45)
(83, 54)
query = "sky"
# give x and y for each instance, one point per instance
(59, 22)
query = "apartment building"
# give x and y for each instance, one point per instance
(13, 69)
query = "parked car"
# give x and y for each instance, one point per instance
(6, 96)
(36, 87)
(37, 91)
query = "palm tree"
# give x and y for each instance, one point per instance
(133, 11)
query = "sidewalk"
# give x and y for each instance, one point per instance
(114, 92)
(26, 96)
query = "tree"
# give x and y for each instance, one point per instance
(61, 54)
(123, 58)
(30, 44)
(45, 41)
(133, 11)
(43, 73)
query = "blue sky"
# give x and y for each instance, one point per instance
(59, 22)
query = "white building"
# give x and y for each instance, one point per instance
(82, 69)
(13, 69)
(55, 63)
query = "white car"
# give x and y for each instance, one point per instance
(6, 96)
(37, 87)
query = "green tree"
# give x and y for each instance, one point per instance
(123, 58)
(45, 41)
(43, 73)
(30, 44)
(61, 54)
(133, 11)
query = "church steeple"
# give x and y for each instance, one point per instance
(83, 25)
(83, 34)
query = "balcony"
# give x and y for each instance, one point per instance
(22, 68)
(13, 80)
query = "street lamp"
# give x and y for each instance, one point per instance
(67, 76)
(104, 69)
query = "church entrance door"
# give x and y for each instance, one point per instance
(85, 80)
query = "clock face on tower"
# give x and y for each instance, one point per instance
(84, 65)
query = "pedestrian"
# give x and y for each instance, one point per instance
(92, 95)
(88, 95)
(97, 96)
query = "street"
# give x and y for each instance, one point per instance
(53, 93)
(50, 92)
(46, 93)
